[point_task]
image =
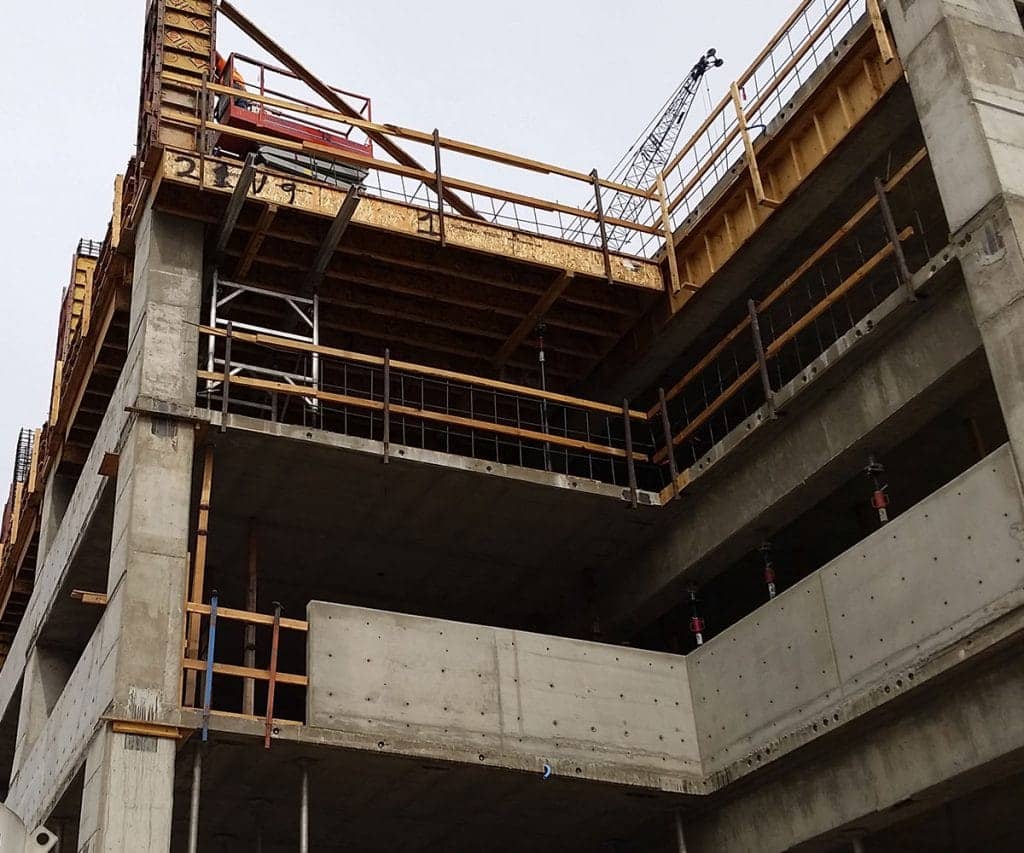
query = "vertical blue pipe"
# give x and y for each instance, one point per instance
(208, 686)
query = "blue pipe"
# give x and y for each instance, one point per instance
(211, 644)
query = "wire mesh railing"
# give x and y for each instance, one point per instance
(781, 334)
(412, 406)
(812, 32)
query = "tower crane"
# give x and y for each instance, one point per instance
(649, 155)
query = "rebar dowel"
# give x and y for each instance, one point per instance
(272, 680)
(439, 187)
(225, 391)
(902, 270)
(630, 463)
(599, 208)
(211, 645)
(387, 402)
(666, 427)
(304, 812)
(193, 817)
(762, 361)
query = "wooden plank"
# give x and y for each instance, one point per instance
(247, 617)
(446, 143)
(192, 665)
(748, 147)
(421, 414)
(98, 599)
(199, 569)
(256, 239)
(529, 322)
(424, 370)
(666, 224)
(326, 152)
(885, 49)
(146, 729)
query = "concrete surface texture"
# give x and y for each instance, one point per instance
(807, 659)
(444, 698)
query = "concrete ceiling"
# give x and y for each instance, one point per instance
(338, 525)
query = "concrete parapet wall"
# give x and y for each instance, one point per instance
(833, 647)
(587, 709)
(923, 582)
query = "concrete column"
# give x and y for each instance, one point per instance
(131, 779)
(128, 795)
(56, 499)
(46, 673)
(965, 64)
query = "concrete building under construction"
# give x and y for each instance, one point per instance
(381, 509)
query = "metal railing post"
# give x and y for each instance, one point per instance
(902, 270)
(226, 389)
(387, 402)
(762, 361)
(599, 209)
(630, 462)
(275, 638)
(667, 428)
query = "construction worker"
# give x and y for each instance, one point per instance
(237, 81)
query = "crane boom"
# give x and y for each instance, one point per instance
(652, 151)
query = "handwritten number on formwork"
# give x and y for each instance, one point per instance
(258, 183)
(220, 175)
(186, 167)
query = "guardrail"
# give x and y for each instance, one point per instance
(429, 408)
(428, 189)
(209, 668)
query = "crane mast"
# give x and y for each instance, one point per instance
(649, 155)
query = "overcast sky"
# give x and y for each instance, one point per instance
(568, 82)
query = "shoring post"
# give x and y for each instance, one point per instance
(599, 208)
(193, 817)
(762, 361)
(666, 427)
(630, 462)
(879, 498)
(387, 402)
(226, 388)
(304, 808)
(439, 188)
(902, 270)
(769, 568)
(696, 621)
(272, 681)
(680, 833)
(211, 647)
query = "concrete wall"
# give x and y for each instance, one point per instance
(924, 581)
(834, 647)
(514, 698)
